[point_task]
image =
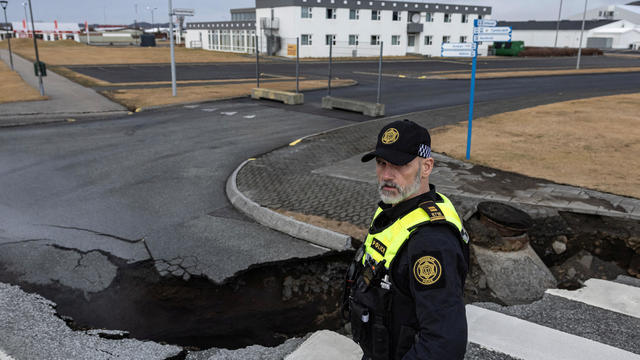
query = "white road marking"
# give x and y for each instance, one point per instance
(4, 356)
(210, 109)
(605, 294)
(249, 116)
(528, 341)
(229, 113)
(191, 106)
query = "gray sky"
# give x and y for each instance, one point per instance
(123, 11)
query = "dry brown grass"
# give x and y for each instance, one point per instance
(139, 98)
(509, 74)
(592, 143)
(342, 227)
(13, 88)
(69, 52)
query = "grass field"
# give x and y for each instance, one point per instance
(69, 52)
(592, 143)
(13, 88)
(137, 98)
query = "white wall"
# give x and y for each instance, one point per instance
(292, 25)
(571, 38)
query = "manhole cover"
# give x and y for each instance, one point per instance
(506, 216)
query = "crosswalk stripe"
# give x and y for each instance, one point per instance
(526, 340)
(4, 356)
(605, 294)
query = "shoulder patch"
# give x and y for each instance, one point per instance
(378, 246)
(434, 212)
(428, 270)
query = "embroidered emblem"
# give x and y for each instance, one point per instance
(390, 136)
(427, 270)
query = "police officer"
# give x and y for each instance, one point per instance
(404, 290)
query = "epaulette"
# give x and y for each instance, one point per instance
(434, 212)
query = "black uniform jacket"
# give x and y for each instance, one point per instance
(439, 307)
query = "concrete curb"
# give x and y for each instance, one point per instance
(269, 218)
(7, 121)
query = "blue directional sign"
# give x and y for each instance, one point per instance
(485, 23)
(458, 50)
(491, 37)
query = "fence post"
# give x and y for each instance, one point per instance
(380, 73)
(257, 60)
(330, 64)
(297, 65)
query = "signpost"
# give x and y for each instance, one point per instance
(175, 12)
(483, 30)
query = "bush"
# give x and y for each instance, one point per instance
(550, 51)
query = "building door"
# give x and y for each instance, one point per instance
(411, 43)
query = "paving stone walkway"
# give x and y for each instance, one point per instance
(322, 175)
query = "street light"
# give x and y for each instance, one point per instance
(35, 46)
(4, 3)
(152, 21)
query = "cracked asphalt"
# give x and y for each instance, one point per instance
(79, 197)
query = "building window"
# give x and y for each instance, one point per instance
(305, 39)
(428, 17)
(465, 18)
(375, 14)
(354, 14)
(428, 40)
(330, 39)
(331, 13)
(397, 16)
(445, 39)
(395, 39)
(353, 40)
(447, 17)
(463, 39)
(375, 39)
(306, 12)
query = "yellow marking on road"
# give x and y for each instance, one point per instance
(71, 120)
(294, 143)
(402, 76)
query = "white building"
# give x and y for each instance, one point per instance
(604, 34)
(629, 12)
(48, 31)
(352, 27)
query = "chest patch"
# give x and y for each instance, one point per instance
(379, 246)
(433, 210)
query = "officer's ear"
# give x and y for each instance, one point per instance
(427, 166)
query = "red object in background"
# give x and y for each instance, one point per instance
(24, 23)
(55, 23)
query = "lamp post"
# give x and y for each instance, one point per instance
(4, 3)
(173, 57)
(584, 16)
(35, 46)
(152, 21)
(555, 44)
(26, 18)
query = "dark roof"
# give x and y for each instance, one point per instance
(634, 3)
(243, 10)
(551, 25)
(380, 5)
(229, 25)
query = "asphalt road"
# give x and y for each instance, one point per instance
(149, 186)
(221, 71)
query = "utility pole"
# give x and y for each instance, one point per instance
(35, 45)
(152, 20)
(555, 44)
(4, 7)
(173, 55)
(135, 22)
(584, 16)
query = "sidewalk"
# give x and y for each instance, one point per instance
(66, 99)
(322, 178)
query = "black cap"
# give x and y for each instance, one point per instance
(400, 142)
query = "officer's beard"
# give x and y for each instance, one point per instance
(403, 193)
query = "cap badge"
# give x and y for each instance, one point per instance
(390, 136)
